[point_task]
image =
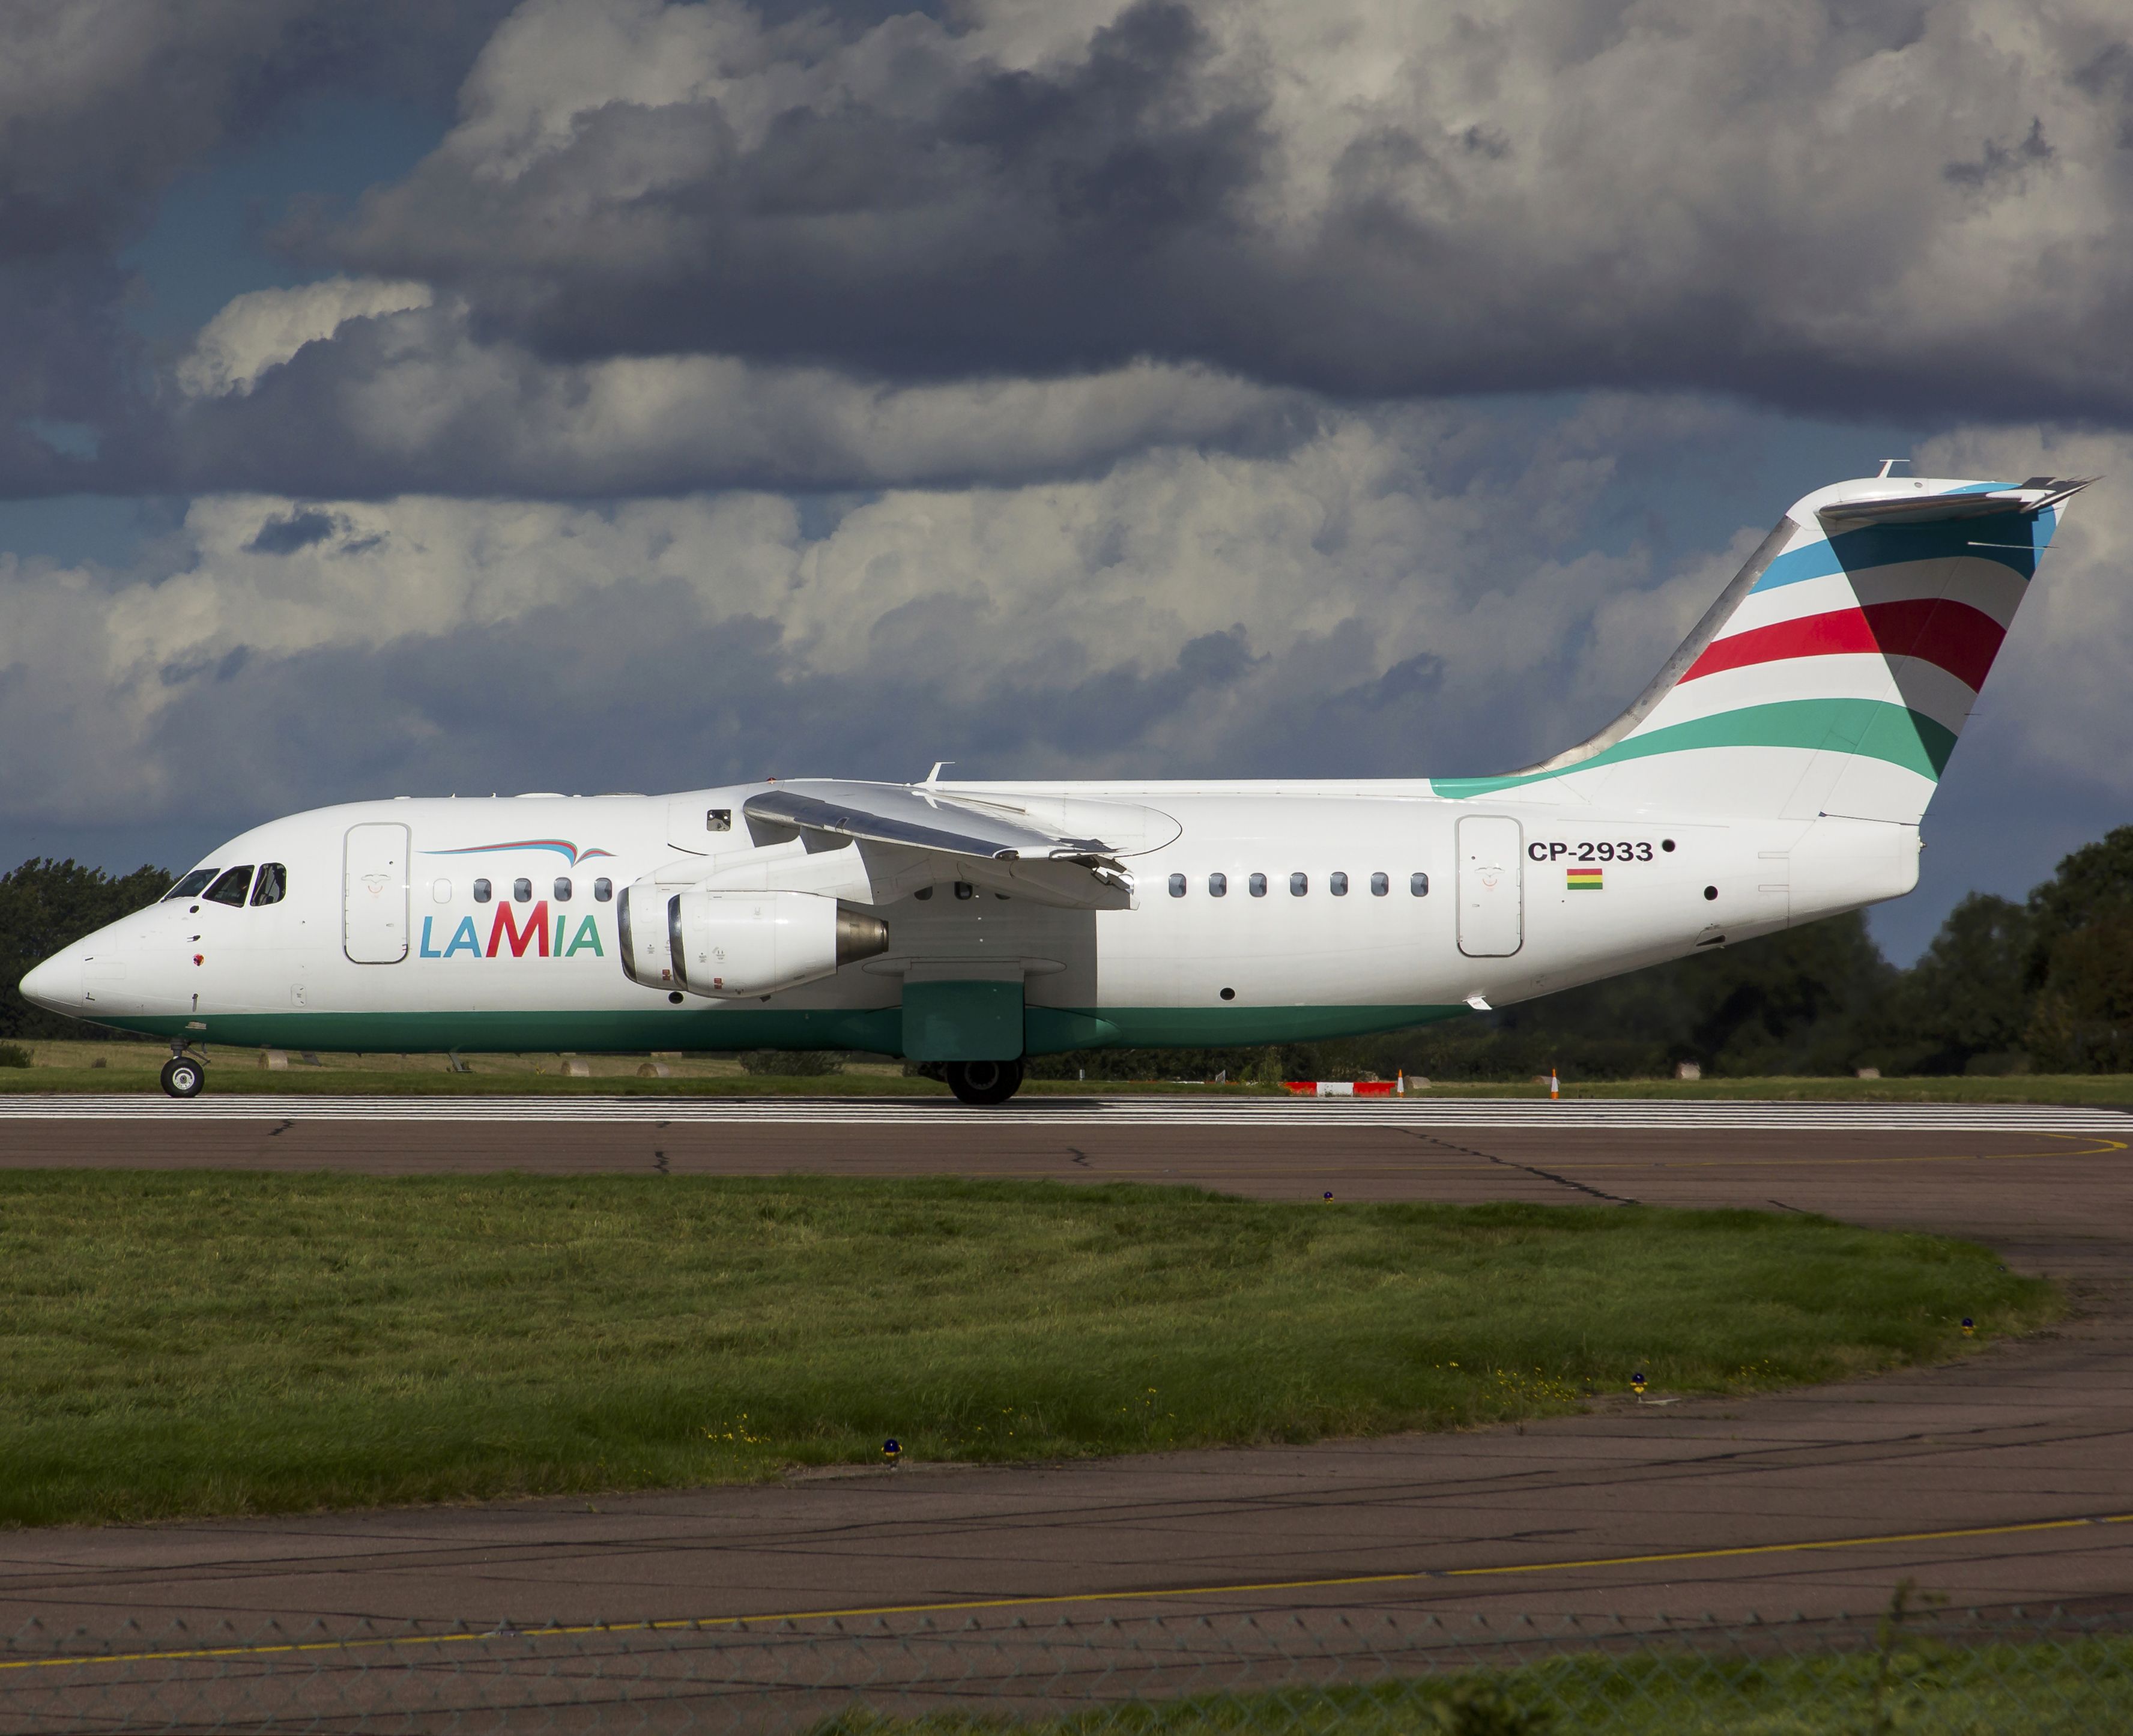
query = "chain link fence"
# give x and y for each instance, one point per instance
(1911, 1668)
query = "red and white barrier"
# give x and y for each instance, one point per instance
(1344, 1087)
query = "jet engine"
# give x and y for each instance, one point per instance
(735, 945)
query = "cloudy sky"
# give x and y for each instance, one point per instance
(610, 394)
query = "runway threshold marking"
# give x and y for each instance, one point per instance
(707, 1623)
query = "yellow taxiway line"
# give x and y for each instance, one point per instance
(710, 1624)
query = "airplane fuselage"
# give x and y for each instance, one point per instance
(1258, 913)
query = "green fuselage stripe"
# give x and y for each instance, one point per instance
(1874, 729)
(878, 1030)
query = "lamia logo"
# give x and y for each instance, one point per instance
(505, 931)
(536, 935)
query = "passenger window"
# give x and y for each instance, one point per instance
(232, 887)
(718, 819)
(191, 886)
(1380, 884)
(603, 889)
(1299, 885)
(562, 888)
(522, 890)
(1336, 884)
(1258, 886)
(273, 885)
(1418, 884)
(481, 891)
(1218, 886)
(1177, 885)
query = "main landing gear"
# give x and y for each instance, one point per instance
(984, 1082)
(184, 1076)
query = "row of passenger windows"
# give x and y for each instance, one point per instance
(522, 890)
(229, 885)
(1299, 885)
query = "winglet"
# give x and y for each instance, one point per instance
(933, 778)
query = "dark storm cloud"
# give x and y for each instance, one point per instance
(1920, 206)
(408, 402)
(1009, 223)
(294, 530)
(104, 105)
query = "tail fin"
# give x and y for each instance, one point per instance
(1835, 672)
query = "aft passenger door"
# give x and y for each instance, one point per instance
(1492, 886)
(374, 894)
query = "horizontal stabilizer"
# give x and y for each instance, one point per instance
(2034, 496)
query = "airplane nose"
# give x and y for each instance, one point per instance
(55, 985)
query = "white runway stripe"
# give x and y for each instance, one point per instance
(1418, 1111)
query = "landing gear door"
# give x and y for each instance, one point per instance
(374, 894)
(1492, 886)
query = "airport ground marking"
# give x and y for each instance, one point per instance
(713, 1623)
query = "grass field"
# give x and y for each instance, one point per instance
(68, 1067)
(224, 1343)
(2080, 1685)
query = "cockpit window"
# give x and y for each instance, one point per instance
(273, 885)
(191, 886)
(232, 886)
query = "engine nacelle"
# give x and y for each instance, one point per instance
(735, 945)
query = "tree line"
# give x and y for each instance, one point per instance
(2043, 985)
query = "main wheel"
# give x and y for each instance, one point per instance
(183, 1076)
(984, 1082)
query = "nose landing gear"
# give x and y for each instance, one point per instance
(184, 1076)
(985, 1081)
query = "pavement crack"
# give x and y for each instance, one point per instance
(1530, 1169)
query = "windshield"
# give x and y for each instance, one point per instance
(233, 885)
(192, 886)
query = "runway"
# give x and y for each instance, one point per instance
(2006, 1477)
(1417, 1111)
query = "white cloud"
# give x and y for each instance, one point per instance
(265, 327)
(1184, 612)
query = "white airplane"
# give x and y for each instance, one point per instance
(1775, 771)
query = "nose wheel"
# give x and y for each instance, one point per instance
(183, 1076)
(984, 1082)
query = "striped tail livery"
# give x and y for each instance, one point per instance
(1833, 675)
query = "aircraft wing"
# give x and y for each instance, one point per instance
(954, 840)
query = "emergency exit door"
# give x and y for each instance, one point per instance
(1492, 886)
(374, 894)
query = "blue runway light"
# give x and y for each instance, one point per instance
(892, 1449)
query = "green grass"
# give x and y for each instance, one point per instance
(2078, 1685)
(66, 1066)
(183, 1343)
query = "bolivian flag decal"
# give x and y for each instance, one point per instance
(1582, 880)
